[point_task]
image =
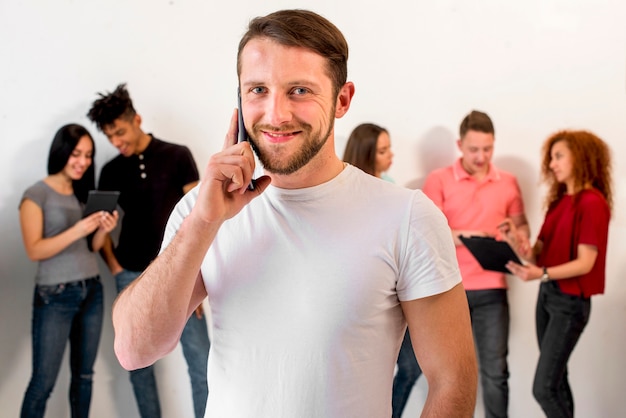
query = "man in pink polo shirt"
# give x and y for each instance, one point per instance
(476, 197)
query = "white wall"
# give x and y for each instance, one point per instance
(535, 66)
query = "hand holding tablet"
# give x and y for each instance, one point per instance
(490, 254)
(98, 200)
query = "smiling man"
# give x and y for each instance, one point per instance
(312, 276)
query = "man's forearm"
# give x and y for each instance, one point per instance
(150, 314)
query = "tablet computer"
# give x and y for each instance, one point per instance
(98, 200)
(491, 254)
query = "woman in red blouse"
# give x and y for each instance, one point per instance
(569, 256)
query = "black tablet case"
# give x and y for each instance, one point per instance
(491, 254)
(98, 200)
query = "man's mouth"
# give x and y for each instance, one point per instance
(278, 137)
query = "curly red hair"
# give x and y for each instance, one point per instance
(591, 166)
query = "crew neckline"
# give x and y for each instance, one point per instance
(313, 192)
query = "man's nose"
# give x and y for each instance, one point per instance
(278, 110)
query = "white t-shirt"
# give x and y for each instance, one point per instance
(304, 289)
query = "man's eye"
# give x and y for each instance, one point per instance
(257, 90)
(299, 91)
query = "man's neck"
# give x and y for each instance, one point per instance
(480, 175)
(144, 141)
(321, 169)
(476, 175)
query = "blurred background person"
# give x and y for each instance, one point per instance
(151, 176)
(476, 197)
(369, 148)
(68, 296)
(568, 257)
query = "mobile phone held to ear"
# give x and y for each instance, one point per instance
(242, 134)
(98, 200)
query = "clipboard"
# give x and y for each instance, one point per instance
(491, 254)
(98, 200)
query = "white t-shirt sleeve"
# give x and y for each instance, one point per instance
(428, 265)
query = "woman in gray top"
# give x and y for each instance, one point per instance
(67, 302)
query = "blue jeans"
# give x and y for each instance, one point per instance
(195, 343)
(561, 319)
(489, 310)
(65, 311)
(408, 373)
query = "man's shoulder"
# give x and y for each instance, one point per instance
(162, 146)
(176, 158)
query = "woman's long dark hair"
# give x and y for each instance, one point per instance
(361, 147)
(63, 144)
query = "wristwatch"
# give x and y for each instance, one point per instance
(545, 277)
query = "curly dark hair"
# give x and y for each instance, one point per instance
(591, 165)
(111, 106)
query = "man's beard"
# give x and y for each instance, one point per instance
(313, 142)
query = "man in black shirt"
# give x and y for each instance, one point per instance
(152, 175)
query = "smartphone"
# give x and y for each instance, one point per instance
(242, 134)
(98, 200)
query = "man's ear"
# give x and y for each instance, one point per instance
(344, 98)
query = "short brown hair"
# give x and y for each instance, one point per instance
(476, 121)
(305, 29)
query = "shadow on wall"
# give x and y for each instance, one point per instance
(528, 180)
(17, 272)
(435, 149)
